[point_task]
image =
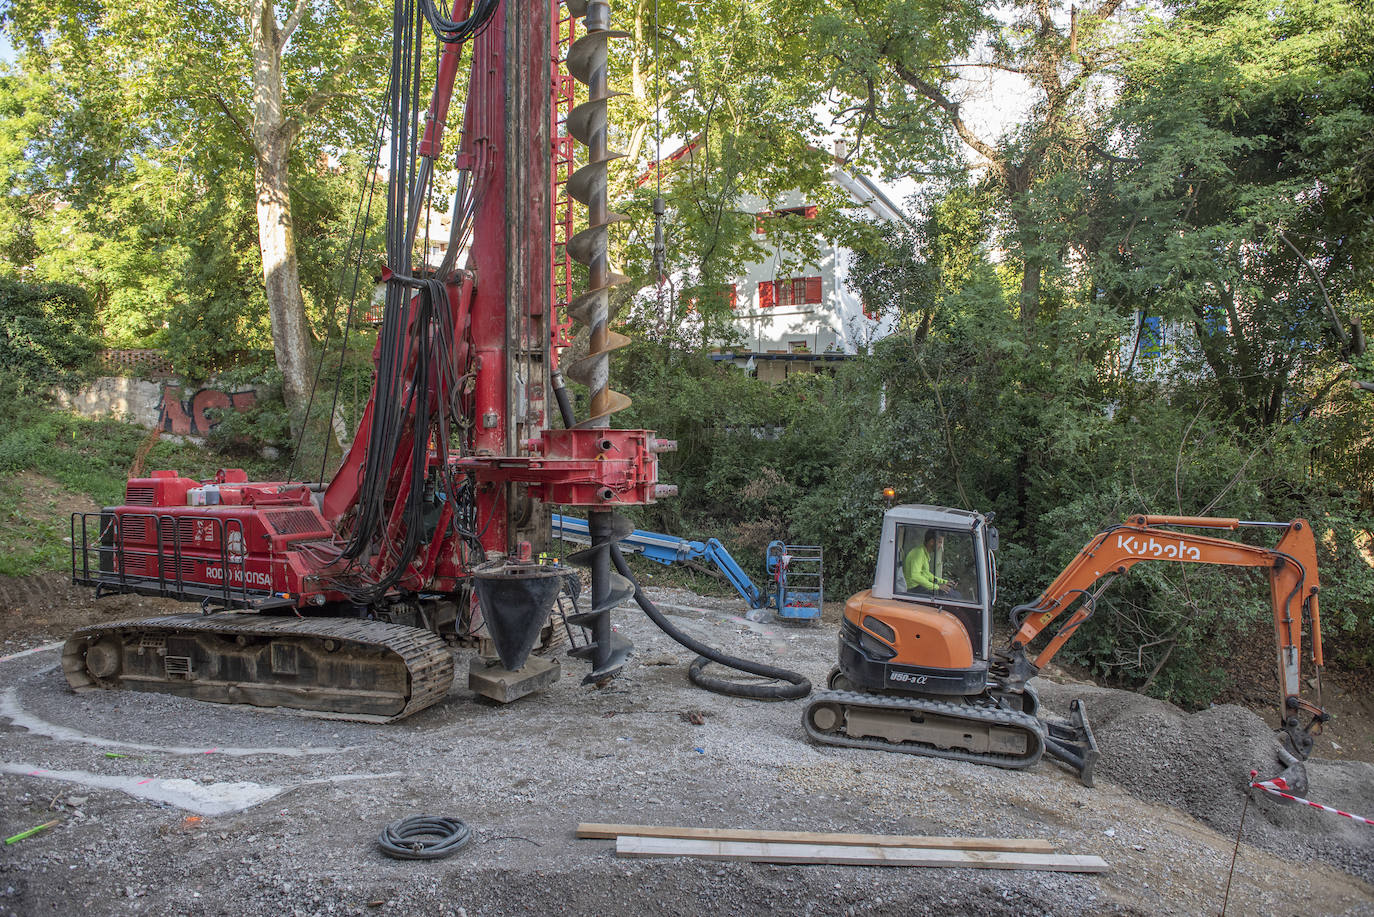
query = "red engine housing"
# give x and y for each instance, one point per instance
(227, 541)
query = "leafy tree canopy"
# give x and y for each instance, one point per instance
(127, 164)
(1241, 203)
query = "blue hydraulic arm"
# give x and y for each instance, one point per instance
(716, 553)
(665, 549)
(669, 549)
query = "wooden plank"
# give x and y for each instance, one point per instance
(840, 854)
(1020, 844)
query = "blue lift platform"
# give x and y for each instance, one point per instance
(796, 588)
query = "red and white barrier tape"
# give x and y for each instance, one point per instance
(1279, 787)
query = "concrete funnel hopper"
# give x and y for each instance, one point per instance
(516, 600)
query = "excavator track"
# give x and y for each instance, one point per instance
(925, 726)
(342, 668)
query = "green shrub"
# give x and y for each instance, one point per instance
(1056, 453)
(47, 332)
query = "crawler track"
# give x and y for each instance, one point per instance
(340, 667)
(930, 727)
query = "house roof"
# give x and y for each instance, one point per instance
(857, 185)
(867, 192)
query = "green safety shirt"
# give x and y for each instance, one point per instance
(916, 569)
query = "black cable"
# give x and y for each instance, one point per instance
(363, 217)
(310, 404)
(369, 181)
(449, 31)
(402, 840)
(799, 685)
(407, 337)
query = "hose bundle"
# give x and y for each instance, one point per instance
(796, 685)
(402, 840)
(417, 397)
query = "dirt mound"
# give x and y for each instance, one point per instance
(1201, 762)
(48, 606)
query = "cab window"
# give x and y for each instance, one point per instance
(936, 563)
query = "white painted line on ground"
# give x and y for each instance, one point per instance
(202, 799)
(11, 709)
(211, 799)
(29, 652)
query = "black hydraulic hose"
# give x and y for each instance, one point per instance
(423, 837)
(560, 394)
(798, 685)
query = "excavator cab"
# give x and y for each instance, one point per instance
(945, 573)
(925, 625)
(950, 568)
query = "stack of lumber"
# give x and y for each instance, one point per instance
(838, 849)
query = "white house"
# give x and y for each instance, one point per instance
(794, 319)
(787, 319)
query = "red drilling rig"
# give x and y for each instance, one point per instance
(356, 586)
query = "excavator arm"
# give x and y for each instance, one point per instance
(1293, 583)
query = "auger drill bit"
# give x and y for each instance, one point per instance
(587, 124)
(606, 650)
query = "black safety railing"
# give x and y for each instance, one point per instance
(123, 558)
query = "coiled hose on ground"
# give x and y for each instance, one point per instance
(423, 837)
(797, 685)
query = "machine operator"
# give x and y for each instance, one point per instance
(918, 568)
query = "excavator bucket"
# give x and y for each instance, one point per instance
(1293, 775)
(516, 600)
(1071, 742)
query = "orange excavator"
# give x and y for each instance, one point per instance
(917, 673)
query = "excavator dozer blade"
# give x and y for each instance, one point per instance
(1072, 743)
(1293, 775)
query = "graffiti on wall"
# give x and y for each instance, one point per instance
(189, 415)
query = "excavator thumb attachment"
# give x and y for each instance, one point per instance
(1071, 742)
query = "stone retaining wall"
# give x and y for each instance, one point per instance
(169, 405)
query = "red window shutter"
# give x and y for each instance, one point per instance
(767, 298)
(811, 211)
(813, 290)
(734, 296)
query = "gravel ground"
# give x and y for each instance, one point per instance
(1163, 813)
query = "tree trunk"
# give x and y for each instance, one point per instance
(281, 278)
(1030, 294)
(1020, 178)
(272, 140)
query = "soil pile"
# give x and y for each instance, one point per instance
(1201, 762)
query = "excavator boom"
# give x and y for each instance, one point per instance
(1294, 585)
